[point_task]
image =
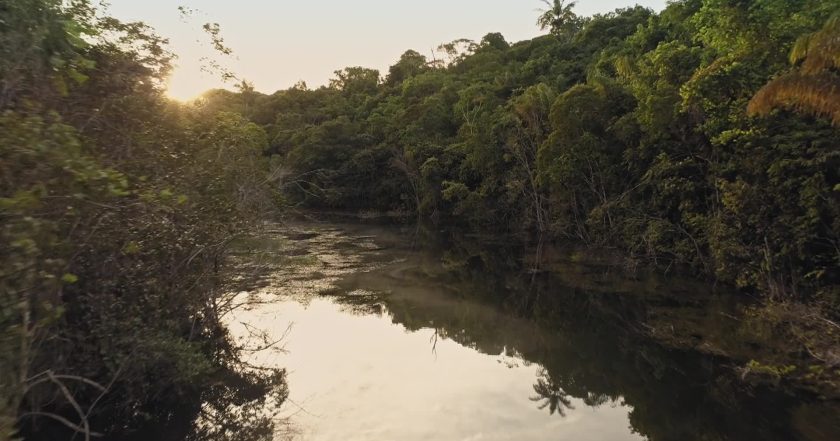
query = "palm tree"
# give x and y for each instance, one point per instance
(814, 86)
(559, 18)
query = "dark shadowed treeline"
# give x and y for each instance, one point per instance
(629, 129)
(116, 207)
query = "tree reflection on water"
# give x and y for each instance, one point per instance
(581, 323)
(550, 395)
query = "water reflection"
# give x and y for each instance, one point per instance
(466, 339)
(550, 395)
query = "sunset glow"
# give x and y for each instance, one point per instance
(277, 44)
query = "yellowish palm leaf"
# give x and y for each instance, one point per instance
(814, 86)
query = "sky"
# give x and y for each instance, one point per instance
(277, 43)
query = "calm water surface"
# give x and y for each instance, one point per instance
(393, 335)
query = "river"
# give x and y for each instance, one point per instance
(393, 333)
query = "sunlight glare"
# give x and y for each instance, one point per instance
(188, 82)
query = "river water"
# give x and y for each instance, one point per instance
(393, 333)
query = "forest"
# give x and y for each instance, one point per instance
(703, 139)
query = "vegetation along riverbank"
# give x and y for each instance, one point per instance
(699, 141)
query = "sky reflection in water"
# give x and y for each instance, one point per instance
(356, 374)
(362, 377)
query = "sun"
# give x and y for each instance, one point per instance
(187, 85)
(182, 95)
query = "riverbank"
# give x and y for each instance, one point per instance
(787, 345)
(391, 300)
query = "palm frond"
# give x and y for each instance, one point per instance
(814, 94)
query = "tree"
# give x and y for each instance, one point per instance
(410, 64)
(560, 19)
(529, 131)
(356, 80)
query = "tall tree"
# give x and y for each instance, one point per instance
(560, 19)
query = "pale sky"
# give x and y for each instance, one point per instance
(277, 43)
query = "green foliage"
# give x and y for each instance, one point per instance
(626, 129)
(115, 210)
